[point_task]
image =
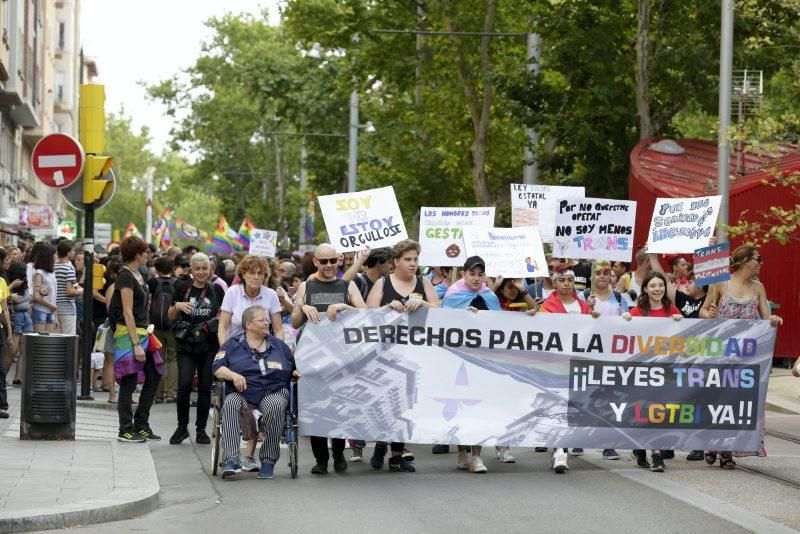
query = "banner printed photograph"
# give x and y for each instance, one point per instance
(681, 225)
(595, 229)
(508, 252)
(535, 205)
(441, 233)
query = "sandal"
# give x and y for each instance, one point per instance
(711, 458)
(726, 462)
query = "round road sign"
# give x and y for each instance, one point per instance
(57, 160)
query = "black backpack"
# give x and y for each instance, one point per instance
(160, 303)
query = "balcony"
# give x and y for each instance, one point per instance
(24, 115)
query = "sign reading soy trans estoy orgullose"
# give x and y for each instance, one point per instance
(355, 221)
(504, 378)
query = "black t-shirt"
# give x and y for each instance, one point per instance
(141, 299)
(390, 293)
(689, 307)
(100, 309)
(364, 285)
(478, 303)
(204, 310)
(583, 276)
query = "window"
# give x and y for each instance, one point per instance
(62, 35)
(60, 90)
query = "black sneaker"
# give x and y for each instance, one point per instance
(339, 464)
(131, 437)
(440, 449)
(378, 458)
(641, 458)
(398, 463)
(147, 433)
(201, 438)
(179, 435)
(658, 464)
(668, 455)
(408, 456)
(540, 449)
(319, 469)
(695, 456)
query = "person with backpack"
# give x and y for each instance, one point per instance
(162, 291)
(376, 263)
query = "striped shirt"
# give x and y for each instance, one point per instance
(65, 272)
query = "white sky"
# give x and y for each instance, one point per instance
(150, 40)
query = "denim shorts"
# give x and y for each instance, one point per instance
(42, 317)
(22, 323)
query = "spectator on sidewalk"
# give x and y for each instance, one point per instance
(67, 289)
(44, 313)
(162, 290)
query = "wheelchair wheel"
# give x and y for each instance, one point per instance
(293, 458)
(216, 430)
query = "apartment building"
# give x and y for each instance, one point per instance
(40, 69)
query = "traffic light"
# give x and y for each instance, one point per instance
(98, 178)
(92, 118)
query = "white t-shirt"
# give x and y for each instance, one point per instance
(48, 281)
(236, 302)
(573, 307)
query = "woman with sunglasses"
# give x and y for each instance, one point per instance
(741, 297)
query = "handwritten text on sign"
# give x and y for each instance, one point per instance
(682, 224)
(711, 264)
(441, 233)
(508, 252)
(535, 205)
(594, 228)
(365, 218)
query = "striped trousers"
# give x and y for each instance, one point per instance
(273, 410)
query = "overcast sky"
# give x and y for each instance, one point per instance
(150, 40)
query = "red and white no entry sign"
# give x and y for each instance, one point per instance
(58, 160)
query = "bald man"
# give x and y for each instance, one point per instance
(325, 294)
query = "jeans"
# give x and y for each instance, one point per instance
(319, 446)
(187, 365)
(128, 421)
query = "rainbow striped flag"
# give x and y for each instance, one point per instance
(131, 230)
(222, 240)
(245, 233)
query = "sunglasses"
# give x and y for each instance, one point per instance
(757, 259)
(327, 261)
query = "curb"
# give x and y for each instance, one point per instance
(136, 492)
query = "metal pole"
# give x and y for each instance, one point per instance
(301, 235)
(148, 177)
(724, 144)
(531, 172)
(352, 154)
(87, 330)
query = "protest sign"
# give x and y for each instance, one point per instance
(508, 252)
(263, 243)
(441, 233)
(682, 224)
(365, 218)
(503, 378)
(594, 228)
(535, 205)
(711, 264)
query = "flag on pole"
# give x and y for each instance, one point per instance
(245, 232)
(131, 230)
(221, 240)
(310, 216)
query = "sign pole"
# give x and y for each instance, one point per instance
(88, 289)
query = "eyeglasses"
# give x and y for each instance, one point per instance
(756, 259)
(327, 261)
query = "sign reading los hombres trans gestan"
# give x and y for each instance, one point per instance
(441, 233)
(504, 378)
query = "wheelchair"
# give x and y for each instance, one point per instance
(289, 435)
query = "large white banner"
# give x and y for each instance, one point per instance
(504, 378)
(594, 228)
(365, 218)
(682, 224)
(441, 233)
(508, 252)
(535, 205)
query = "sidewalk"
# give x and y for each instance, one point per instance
(57, 484)
(783, 394)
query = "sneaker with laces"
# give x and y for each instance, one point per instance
(230, 468)
(358, 455)
(657, 465)
(201, 437)
(147, 433)
(504, 455)
(440, 449)
(610, 454)
(131, 437)
(266, 470)
(641, 458)
(560, 461)
(250, 464)
(179, 435)
(398, 463)
(407, 455)
(476, 465)
(378, 458)
(339, 464)
(463, 460)
(577, 452)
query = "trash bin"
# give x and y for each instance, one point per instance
(49, 387)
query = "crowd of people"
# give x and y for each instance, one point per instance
(168, 323)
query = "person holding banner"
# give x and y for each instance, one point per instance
(404, 291)
(439, 279)
(325, 294)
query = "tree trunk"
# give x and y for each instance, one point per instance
(477, 154)
(646, 128)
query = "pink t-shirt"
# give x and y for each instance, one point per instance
(236, 302)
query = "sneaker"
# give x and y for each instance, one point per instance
(695, 456)
(668, 455)
(266, 470)
(658, 464)
(131, 437)
(408, 456)
(398, 463)
(504, 455)
(201, 438)
(17, 382)
(440, 449)
(377, 458)
(560, 461)
(463, 460)
(250, 464)
(577, 452)
(641, 458)
(358, 455)
(319, 469)
(178, 436)
(339, 464)
(3, 414)
(610, 454)
(147, 433)
(476, 465)
(230, 468)
(540, 449)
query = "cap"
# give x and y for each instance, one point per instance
(474, 261)
(181, 260)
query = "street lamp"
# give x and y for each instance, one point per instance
(148, 184)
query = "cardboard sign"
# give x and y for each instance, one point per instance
(508, 252)
(441, 233)
(264, 243)
(594, 228)
(682, 224)
(355, 220)
(535, 205)
(711, 264)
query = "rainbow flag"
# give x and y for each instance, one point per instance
(221, 240)
(310, 216)
(245, 232)
(131, 230)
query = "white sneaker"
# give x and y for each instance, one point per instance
(250, 464)
(504, 455)
(463, 460)
(560, 461)
(476, 465)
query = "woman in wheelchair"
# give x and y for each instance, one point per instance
(260, 367)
